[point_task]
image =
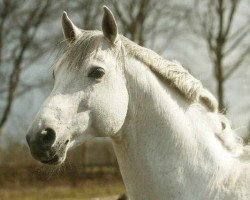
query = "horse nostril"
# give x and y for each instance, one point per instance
(48, 136)
(66, 142)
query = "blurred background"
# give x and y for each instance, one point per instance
(211, 38)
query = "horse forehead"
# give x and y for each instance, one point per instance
(104, 58)
(100, 59)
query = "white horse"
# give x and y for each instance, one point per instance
(169, 139)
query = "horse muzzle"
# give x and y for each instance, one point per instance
(43, 146)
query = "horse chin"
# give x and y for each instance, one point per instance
(56, 160)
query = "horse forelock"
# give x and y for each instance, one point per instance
(77, 53)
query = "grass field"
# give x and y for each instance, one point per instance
(90, 189)
(68, 182)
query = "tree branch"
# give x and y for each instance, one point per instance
(237, 41)
(234, 5)
(26, 87)
(33, 21)
(237, 64)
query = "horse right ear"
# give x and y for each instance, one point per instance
(70, 30)
(109, 26)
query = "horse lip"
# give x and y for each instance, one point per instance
(53, 161)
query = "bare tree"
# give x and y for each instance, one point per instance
(146, 21)
(89, 12)
(19, 23)
(224, 42)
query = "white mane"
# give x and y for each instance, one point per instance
(175, 74)
(193, 90)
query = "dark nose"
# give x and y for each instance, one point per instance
(44, 138)
(47, 137)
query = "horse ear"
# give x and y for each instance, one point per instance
(109, 26)
(70, 30)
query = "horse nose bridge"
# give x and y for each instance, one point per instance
(51, 119)
(59, 105)
(41, 122)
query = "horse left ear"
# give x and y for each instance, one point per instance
(70, 30)
(109, 26)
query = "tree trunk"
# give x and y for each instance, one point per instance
(219, 74)
(220, 94)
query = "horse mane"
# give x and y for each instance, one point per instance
(193, 90)
(78, 52)
(174, 73)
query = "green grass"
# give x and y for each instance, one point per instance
(88, 189)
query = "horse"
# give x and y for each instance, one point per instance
(170, 140)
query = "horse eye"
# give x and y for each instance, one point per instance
(96, 72)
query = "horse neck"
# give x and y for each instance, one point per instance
(157, 150)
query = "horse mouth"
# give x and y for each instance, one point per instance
(53, 161)
(53, 156)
